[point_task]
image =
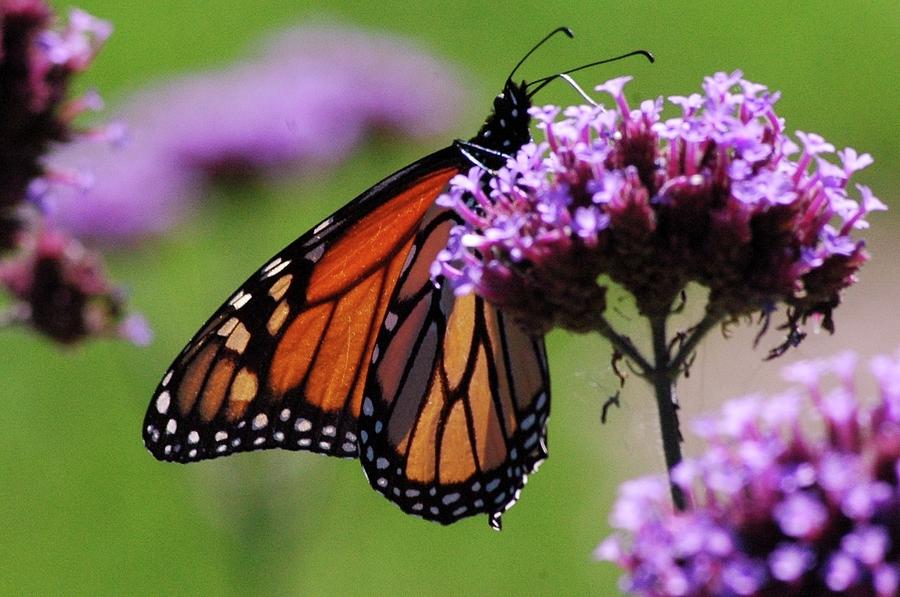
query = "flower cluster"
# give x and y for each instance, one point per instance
(783, 502)
(37, 63)
(57, 286)
(718, 195)
(306, 101)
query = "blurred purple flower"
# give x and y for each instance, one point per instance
(62, 291)
(305, 102)
(56, 285)
(786, 500)
(37, 63)
(718, 195)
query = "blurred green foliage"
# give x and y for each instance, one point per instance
(85, 510)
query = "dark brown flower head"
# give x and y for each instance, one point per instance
(61, 291)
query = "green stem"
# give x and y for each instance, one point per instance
(664, 388)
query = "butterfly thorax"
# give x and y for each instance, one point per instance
(506, 128)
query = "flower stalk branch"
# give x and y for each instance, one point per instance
(687, 348)
(623, 345)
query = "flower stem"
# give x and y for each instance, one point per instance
(687, 348)
(664, 388)
(623, 345)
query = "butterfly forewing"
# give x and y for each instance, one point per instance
(456, 404)
(283, 362)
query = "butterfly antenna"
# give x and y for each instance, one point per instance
(544, 81)
(546, 38)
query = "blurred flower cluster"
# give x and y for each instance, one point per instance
(718, 195)
(56, 285)
(305, 101)
(793, 496)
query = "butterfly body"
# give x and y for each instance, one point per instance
(341, 344)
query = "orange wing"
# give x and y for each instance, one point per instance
(283, 362)
(455, 410)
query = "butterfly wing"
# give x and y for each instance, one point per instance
(283, 362)
(456, 404)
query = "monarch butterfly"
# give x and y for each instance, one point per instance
(341, 344)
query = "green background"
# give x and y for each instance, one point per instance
(85, 510)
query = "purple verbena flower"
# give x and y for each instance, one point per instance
(56, 286)
(788, 499)
(717, 195)
(305, 102)
(37, 62)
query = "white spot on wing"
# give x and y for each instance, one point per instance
(162, 402)
(322, 226)
(221, 436)
(315, 254)
(260, 421)
(368, 407)
(242, 301)
(167, 378)
(302, 425)
(390, 321)
(329, 430)
(272, 264)
(276, 269)
(193, 437)
(171, 426)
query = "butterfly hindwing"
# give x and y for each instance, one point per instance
(456, 404)
(283, 362)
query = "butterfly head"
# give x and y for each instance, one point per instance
(506, 129)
